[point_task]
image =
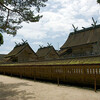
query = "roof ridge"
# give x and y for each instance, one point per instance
(46, 47)
(85, 29)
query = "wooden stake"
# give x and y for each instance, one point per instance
(35, 75)
(11, 74)
(34, 78)
(95, 82)
(20, 76)
(58, 81)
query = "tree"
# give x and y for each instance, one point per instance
(1, 39)
(14, 12)
(98, 1)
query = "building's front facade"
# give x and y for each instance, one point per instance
(22, 53)
(47, 53)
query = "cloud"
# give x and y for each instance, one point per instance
(55, 36)
(5, 49)
(16, 39)
(37, 43)
(32, 31)
(58, 17)
(71, 12)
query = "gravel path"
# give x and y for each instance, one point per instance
(20, 89)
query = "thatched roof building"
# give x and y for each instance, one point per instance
(82, 43)
(21, 53)
(2, 56)
(47, 53)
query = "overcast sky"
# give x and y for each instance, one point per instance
(56, 24)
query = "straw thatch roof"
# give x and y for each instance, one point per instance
(43, 52)
(18, 49)
(2, 57)
(81, 37)
(62, 52)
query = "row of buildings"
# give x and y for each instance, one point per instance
(82, 43)
(24, 53)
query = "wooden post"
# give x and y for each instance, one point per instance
(20, 76)
(95, 81)
(34, 78)
(35, 74)
(58, 77)
(11, 74)
(58, 81)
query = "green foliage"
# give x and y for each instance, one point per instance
(14, 12)
(98, 1)
(1, 39)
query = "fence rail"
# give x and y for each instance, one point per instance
(85, 74)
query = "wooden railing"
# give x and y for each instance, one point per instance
(82, 74)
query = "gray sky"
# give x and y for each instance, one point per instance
(56, 24)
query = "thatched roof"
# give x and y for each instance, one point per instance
(61, 52)
(2, 57)
(85, 36)
(18, 49)
(42, 52)
(68, 61)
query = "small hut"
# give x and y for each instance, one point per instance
(85, 42)
(21, 53)
(47, 53)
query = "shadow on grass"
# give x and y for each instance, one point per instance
(10, 92)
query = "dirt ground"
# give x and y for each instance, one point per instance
(12, 88)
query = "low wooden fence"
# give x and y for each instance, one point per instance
(84, 74)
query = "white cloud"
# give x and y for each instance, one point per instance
(55, 36)
(77, 12)
(37, 43)
(32, 31)
(59, 16)
(5, 49)
(16, 39)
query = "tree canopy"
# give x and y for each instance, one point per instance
(98, 1)
(14, 12)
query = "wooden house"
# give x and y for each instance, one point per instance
(47, 53)
(85, 42)
(2, 58)
(21, 53)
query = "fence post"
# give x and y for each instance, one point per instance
(95, 81)
(58, 77)
(34, 78)
(11, 74)
(58, 80)
(34, 74)
(20, 75)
